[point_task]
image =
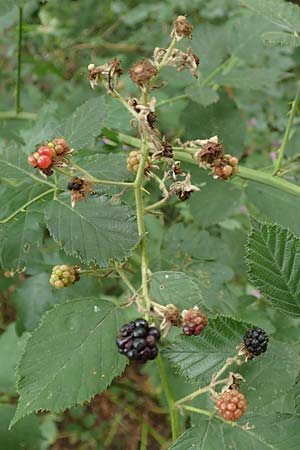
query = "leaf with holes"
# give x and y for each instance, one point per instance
(175, 287)
(70, 357)
(197, 358)
(95, 230)
(273, 258)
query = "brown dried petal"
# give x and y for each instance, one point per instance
(142, 72)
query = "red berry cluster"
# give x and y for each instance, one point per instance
(194, 322)
(231, 405)
(47, 155)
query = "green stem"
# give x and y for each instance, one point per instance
(138, 185)
(225, 67)
(12, 115)
(157, 204)
(286, 136)
(96, 180)
(167, 55)
(171, 403)
(124, 278)
(252, 175)
(144, 436)
(172, 100)
(207, 413)
(22, 208)
(248, 174)
(18, 82)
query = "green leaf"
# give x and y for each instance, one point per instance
(281, 38)
(270, 390)
(272, 432)
(217, 198)
(273, 258)
(85, 123)
(197, 358)
(249, 78)
(11, 347)
(176, 288)
(13, 164)
(19, 240)
(203, 95)
(222, 119)
(264, 198)
(279, 12)
(26, 435)
(297, 394)
(95, 230)
(70, 357)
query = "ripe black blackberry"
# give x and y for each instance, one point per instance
(256, 342)
(138, 341)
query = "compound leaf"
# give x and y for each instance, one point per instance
(70, 357)
(273, 258)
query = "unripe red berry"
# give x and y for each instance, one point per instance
(44, 162)
(231, 405)
(46, 151)
(32, 161)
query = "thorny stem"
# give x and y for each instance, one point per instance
(171, 403)
(286, 136)
(25, 205)
(18, 82)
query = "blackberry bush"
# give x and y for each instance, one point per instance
(151, 192)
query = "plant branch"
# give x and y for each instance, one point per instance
(125, 279)
(207, 413)
(171, 403)
(19, 64)
(12, 115)
(96, 180)
(25, 205)
(144, 436)
(286, 136)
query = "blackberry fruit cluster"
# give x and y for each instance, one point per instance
(231, 405)
(256, 342)
(63, 276)
(194, 322)
(138, 341)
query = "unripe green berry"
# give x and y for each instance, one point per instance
(63, 276)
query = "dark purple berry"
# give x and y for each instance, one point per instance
(154, 332)
(151, 341)
(153, 353)
(256, 341)
(141, 323)
(139, 344)
(126, 329)
(139, 332)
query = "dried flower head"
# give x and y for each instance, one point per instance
(209, 152)
(79, 187)
(181, 28)
(108, 72)
(142, 71)
(177, 170)
(183, 189)
(173, 315)
(178, 58)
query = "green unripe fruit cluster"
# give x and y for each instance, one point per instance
(63, 276)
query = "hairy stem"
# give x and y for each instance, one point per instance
(286, 136)
(138, 185)
(19, 64)
(124, 278)
(96, 180)
(207, 413)
(25, 205)
(171, 403)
